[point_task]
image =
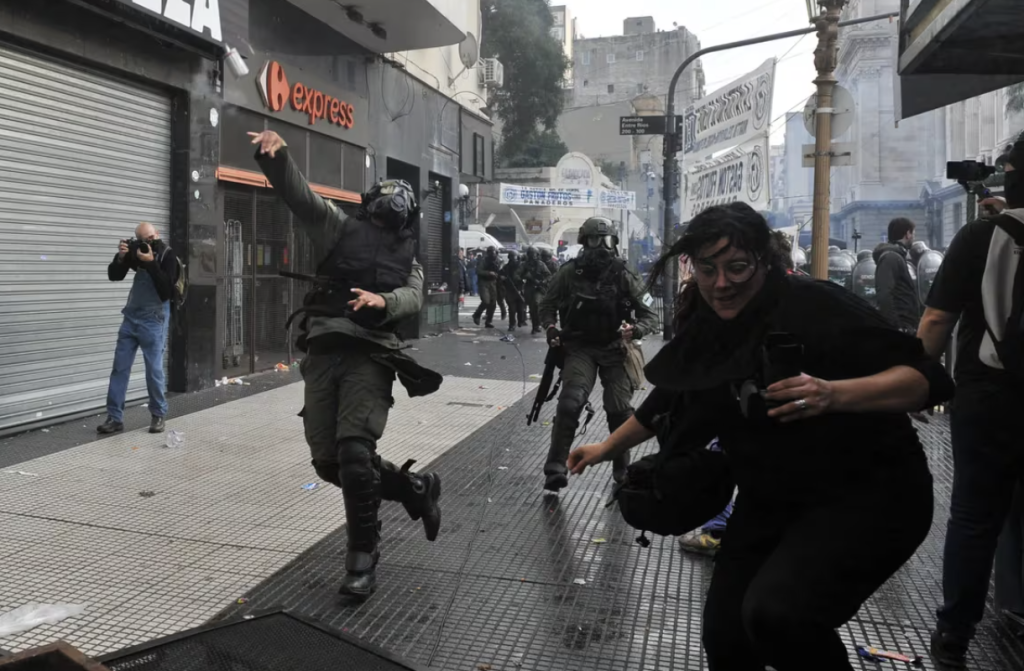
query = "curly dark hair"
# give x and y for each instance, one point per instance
(742, 226)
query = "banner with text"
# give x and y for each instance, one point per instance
(741, 175)
(617, 200)
(732, 115)
(543, 196)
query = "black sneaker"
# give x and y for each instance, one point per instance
(476, 319)
(556, 481)
(110, 426)
(949, 652)
(157, 425)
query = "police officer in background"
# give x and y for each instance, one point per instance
(535, 276)
(600, 305)
(549, 260)
(487, 281)
(368, 281)
(512, 280)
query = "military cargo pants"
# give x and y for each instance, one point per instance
(583, 365)
(533, 297)
(488, 300)
(347, 401)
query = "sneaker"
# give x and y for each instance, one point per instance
(555, 482)
(699, 542)
(949, 652)
(157, 425)
(110, 426)
(476, 319)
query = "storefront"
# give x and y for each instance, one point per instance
(94, 129)
(325, 126)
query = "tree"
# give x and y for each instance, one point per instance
(518, 34)
(1015, 98)
(538, 150)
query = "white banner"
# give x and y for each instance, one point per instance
(542, 196)
(732, 115)
(738, 176)
(617, 200)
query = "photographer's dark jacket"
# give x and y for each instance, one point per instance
(154, 280)
(697, 374)
(326, 225)
(895, 288)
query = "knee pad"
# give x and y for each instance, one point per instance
(357, 453)
(328, 471)
(571, 402)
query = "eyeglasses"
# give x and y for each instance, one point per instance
(736, 272)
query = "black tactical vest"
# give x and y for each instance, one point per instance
(597, 307)
(367, 257)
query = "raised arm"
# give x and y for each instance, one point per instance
(317, 216)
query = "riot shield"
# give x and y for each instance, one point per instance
(840, 270)
(927, 269)
(864, 280)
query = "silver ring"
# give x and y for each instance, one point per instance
(801, 404)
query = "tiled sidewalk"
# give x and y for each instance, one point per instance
(154, 540)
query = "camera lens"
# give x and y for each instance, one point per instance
(144, 248)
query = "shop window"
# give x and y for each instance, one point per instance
(479, 165)
(295, 137)
(325, 160)
(236, 148)
(354, 172)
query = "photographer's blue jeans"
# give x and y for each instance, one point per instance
(148, 333)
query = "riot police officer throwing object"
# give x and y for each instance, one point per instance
(487, 281)
(535, 277)
(511, 279)
(600, 305)
(368, 281)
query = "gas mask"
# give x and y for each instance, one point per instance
(598, 251)
(391, 203)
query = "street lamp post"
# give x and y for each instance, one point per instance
(825, 60)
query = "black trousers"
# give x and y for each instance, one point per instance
(787, 576)
(988, 462)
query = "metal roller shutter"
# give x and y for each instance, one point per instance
(83, 160)
(433, 211)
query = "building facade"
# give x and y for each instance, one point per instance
(563, 29)
(127, 115)
(608, 70)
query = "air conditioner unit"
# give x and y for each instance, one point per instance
(492, 73)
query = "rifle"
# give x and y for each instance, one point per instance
(555, 359)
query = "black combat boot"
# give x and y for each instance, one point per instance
(361, 486)
(110, 426)
(556, 474)
(417, 492)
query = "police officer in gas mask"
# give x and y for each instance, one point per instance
(600, 305)
(368, 281)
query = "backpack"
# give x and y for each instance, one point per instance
(180, 292)
(1002, 296)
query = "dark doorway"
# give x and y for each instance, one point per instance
(410, 326)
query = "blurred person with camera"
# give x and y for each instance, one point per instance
(147, 315)
(980, 286)
(807, 389)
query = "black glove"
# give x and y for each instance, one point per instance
(553, 335)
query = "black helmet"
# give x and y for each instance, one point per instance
(532, 254)
(513, 255)
(598, 231)
(392, 202)
(545, 254)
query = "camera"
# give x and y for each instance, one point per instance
(135, 245)
(969, 171)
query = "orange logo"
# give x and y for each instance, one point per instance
(275, 91)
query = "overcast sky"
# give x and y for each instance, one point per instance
(716, 23)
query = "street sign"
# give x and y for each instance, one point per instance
(645, 125)
(842, 116)
(842, 154)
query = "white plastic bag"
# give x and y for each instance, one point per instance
(175, 439)
(32, 615)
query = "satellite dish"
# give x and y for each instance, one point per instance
(469, 51)
(842, 117)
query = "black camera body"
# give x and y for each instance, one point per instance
(135, 246)
(969, 171)
(781, 357)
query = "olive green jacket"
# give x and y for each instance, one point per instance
(562, 289)
(321, 220)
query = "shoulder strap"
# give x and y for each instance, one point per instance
(1012, 226)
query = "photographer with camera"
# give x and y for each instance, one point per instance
(807, 388)
(147, 315)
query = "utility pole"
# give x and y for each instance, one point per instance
(826, 58)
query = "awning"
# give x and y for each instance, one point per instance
(952, 50)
